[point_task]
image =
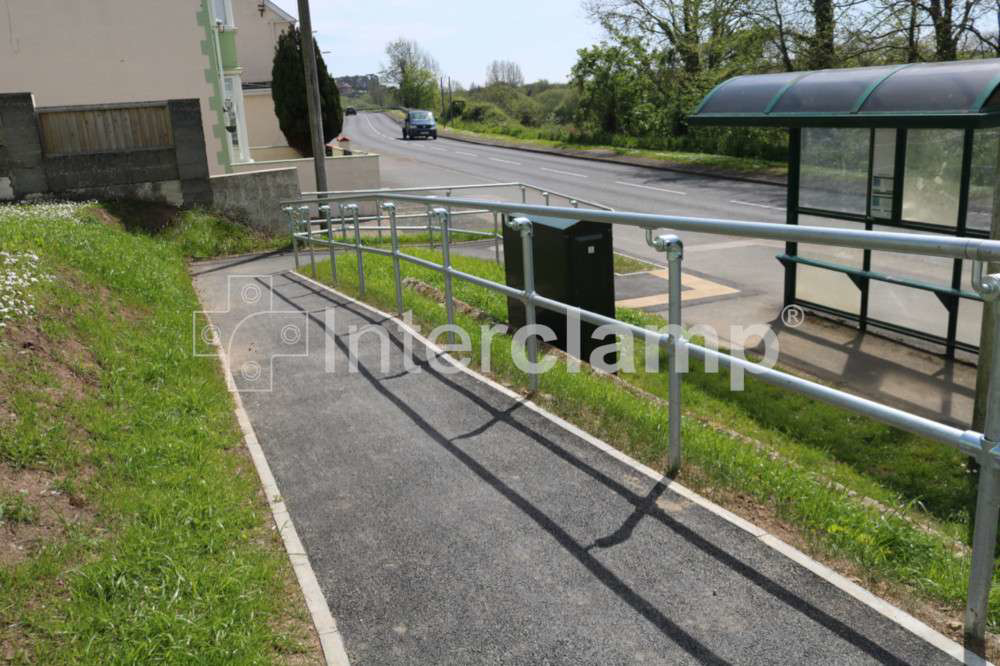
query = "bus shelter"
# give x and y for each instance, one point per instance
(912, 147)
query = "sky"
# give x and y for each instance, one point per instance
(541, 36)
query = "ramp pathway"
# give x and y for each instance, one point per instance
(450, 523)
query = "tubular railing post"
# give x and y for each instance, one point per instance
(524, 194)
(674, 249)
(444, 215)
(523, 225)
(984, 538)
(343, 223)
(496, 236)
(328, 213)
(574, 203)
(378, 218)
(394, 238)
(430, 228)
(292, 224)
(545, 195)
(309, 236)
(357, 248)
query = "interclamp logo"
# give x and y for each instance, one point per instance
(252, 341)
(254, 333)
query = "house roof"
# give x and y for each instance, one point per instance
(934, 94)
(285, 16)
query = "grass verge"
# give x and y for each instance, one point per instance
(743, 166)
(138, 533)
(848, 490)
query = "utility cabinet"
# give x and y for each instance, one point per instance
(574, 264)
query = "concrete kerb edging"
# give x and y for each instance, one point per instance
(648, 163)
(881, 606)
(330, 638)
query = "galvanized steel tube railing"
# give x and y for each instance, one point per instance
(984, 447)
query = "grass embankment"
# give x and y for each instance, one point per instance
(133, 529)
(803, 469)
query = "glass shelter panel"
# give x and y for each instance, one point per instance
(970, 312)
(883, 172)
(918, 268)
(822, 286)
(904, 306)
(834, 169)
(985, 153)
(932, 176)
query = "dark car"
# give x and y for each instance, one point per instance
(350, 111)
(419, 123)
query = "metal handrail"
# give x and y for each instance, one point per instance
(984, 447)
(323, 197)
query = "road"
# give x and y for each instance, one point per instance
(745, 270)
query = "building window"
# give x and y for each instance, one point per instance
(235, 117)
(223, 11)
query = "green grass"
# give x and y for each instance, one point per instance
(199, 235)
(623, 264)
(809, 465)
(14, 509)
(527, 136)
(179, 563)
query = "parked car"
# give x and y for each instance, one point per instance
(350, 111)
(419, 123)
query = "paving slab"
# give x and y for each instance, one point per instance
(450, 523)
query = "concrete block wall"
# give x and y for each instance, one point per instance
(22, 171)
(254, 197)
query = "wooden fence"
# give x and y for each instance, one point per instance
(105, 128)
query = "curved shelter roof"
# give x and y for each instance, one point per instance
(934, 94)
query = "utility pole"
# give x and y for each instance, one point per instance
(312, 94)
(442, 98)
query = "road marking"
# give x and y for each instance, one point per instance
(497, 159)
(459, 152)
(565, 173)
(756, 205)
(440, 150)
(649, 187)
(369, 119)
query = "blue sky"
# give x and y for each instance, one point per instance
(542, 36)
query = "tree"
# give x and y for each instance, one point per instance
(288, 88)
(504, 72)
(413, 71)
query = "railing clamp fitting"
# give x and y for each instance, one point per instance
(986, 285)
(521, 224)
(669, 243)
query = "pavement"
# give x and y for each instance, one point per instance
(909, 376)
(448, 521)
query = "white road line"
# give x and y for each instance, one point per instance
(369, 119)
(440, 150)
(565, 173)
(459, 152)
(497, 159)
(756, 205)
(649, 187)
